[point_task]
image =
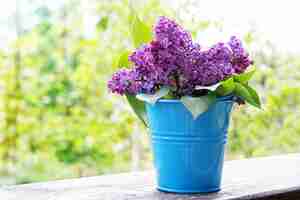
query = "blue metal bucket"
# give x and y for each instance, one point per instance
(188, 153)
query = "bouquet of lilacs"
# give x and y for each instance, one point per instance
(169, 65)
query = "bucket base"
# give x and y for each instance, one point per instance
(169, 190)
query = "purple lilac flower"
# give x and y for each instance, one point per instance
(172, 59)
(124, 82)
(240, 58)
(171, 35)
(148, 68)
(214, 65)
(158, 61)
(207, 67)
(175, 46)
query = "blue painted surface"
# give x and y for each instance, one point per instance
(188, 153)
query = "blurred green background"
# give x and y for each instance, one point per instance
(59, 121)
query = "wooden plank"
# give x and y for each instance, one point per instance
(260, 178)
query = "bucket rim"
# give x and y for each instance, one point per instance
(219, 99)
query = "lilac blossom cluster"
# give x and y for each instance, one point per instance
(173, 60)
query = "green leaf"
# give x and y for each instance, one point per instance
(102, 23)
(248, 94)
(254, 95)
(123, 59)
(152, 98)
(226, 87)
(244, 77)
(140, 32)
(211, 88)
(198, 105)
(138, 107)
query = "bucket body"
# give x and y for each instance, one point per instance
(188, 153)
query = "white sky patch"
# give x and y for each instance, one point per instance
(276, 20)
(7, 9)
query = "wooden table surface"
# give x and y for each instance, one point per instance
(275, 178)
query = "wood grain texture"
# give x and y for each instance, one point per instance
(261, 178)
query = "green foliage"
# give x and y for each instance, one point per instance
(123, 59)
(103, 23)
(254, 96)
(244, 77)
(247, 93)
(140, 32)
(59, 121)
(226, 87)
(139, 108)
